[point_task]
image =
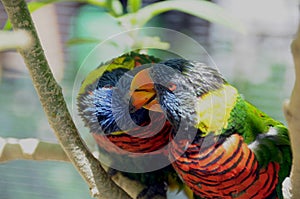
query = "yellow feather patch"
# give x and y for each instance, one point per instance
(118, 132)
(214, 108)
(95, 74)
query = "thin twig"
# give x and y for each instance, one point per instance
(30, 149)
(12, 40)
(51, 97)
(37, 150)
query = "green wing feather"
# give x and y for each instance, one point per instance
(266, 137)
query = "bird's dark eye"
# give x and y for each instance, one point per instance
(172, 86)
(107, 86)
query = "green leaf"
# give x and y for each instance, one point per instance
(114, 7)
(33, 6)
(76, 41)
(117, 8)
(151, 42)
(7, 25)
(202, 9)
(94, 2)
(134, 5)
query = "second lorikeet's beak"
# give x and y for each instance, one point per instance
(143, 93)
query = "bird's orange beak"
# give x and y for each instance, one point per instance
(143, 93)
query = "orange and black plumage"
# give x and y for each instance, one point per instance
(236, 151)
(103, 104)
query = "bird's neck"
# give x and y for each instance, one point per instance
(214, 109)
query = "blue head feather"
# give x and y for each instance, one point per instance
(113, 113)
(105, 109)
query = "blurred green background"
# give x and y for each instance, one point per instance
(258, 63)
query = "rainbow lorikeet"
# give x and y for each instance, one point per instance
(227, 148)
(102, 106)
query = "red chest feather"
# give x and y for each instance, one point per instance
(227, 170)
(146, 139)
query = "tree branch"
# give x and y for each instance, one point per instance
(35, 149)
(30, 149)
(11, 40)
(51, 97)
(291, 112)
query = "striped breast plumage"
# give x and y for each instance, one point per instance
(237, 151)
(148, 138)
(224, 168)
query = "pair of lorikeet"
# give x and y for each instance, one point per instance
(227, 148)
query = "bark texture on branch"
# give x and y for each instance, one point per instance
(291, 112)
(51, 97)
